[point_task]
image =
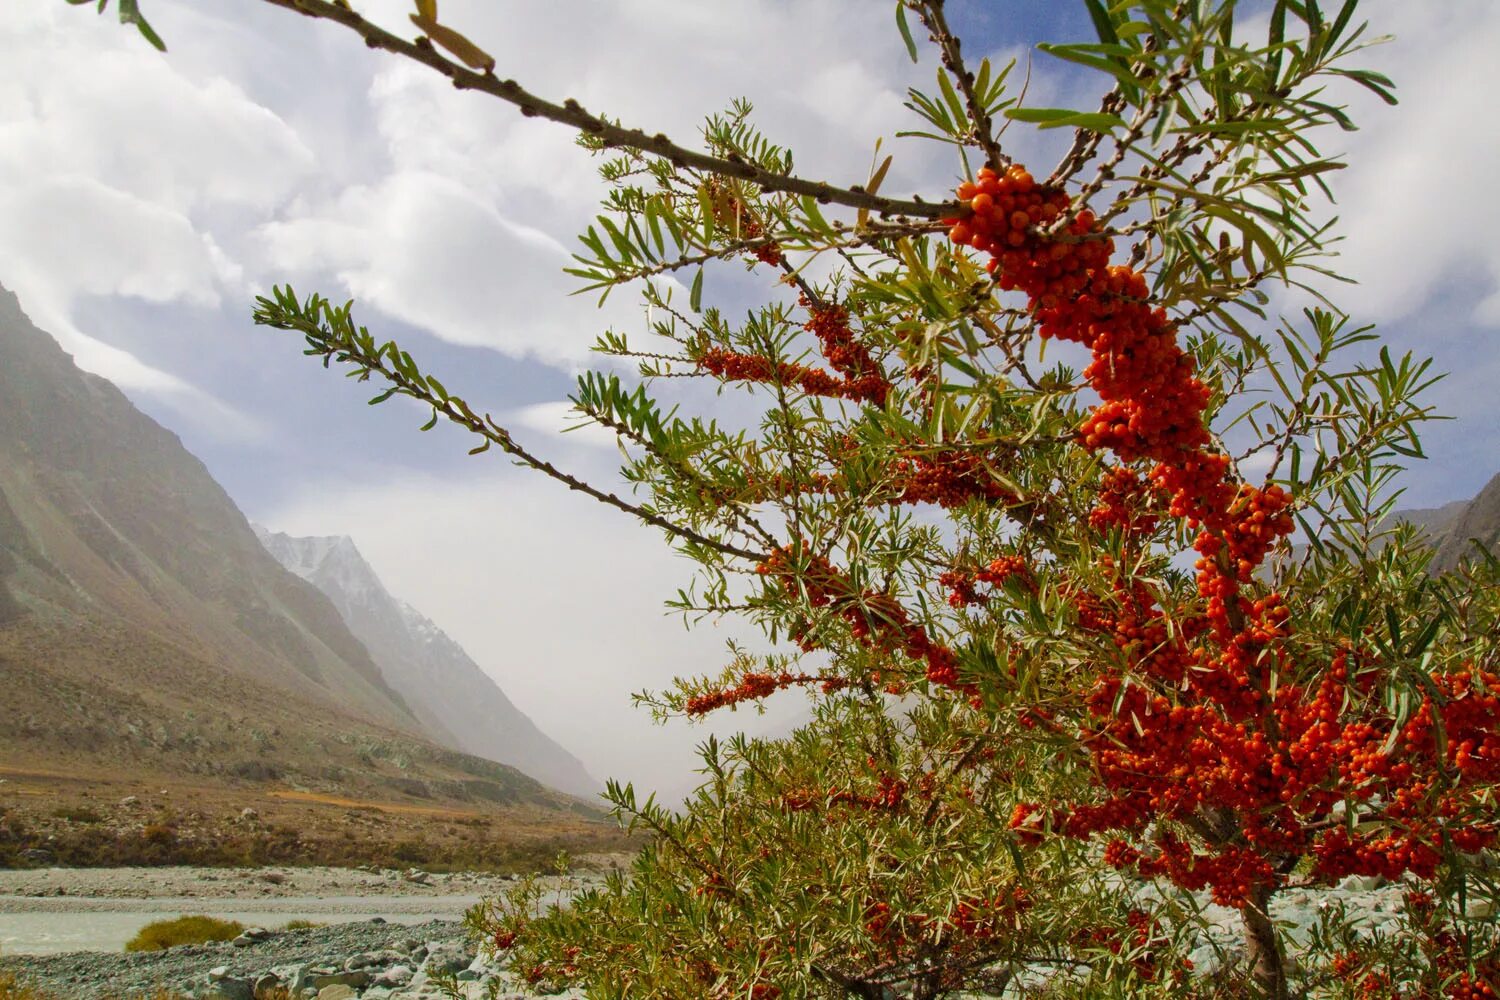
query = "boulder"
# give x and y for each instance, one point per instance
(337, 991)
(396, 975)
(230, 988)
(447, 957)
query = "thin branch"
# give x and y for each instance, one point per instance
(332, 346)
(931, 13)
(573, 115)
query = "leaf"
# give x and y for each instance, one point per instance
(467, 52)
(1065, 118)
(903, 27)
(130, 13)
(1104, 25)
(695, 296)
(863, 219)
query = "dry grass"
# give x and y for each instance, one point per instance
(193, 820)
(370, 805)
(10, 989)
(183, 930)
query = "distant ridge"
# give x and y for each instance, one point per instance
(456, 701)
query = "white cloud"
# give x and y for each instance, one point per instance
(1413, 203)
(422, 248)
(473, 214)
(551, 421)
(111, 163)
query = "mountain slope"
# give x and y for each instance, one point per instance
(1475, 521)
(457, 702)
(144, 629)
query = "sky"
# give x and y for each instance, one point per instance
(145, 199)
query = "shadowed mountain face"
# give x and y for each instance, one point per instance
(455, 700)
(144, 627)
(1477, 521)
(1454, 528)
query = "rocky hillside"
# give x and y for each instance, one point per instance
(456, 701)
(144, 628)
(1455, 527)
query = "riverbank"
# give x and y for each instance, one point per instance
(384, 934)
(53, 910)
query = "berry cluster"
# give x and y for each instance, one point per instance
(888, 796)
(734, 215)
(847, 356)
(947, 478)
(961, 583)
(755, 686)
(874, 619)
(732, 366)
(1124, 503)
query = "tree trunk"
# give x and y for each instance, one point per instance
(1267, 964)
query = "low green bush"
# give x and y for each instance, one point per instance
(183, 930)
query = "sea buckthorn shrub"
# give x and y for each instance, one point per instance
(1081, 552)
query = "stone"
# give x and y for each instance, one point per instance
(1479, 909)
(367, 959)
(338, 991)
(447, 958)
(217, 973)
(396, 975)
(248, 815)
(294, 976)
(354, 979)
(1361, 883)
(130, 800)
(230, 988)
(38, 855)
(256, 933)
(243, 941)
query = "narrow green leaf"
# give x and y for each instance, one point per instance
(130, 13)
(1104, 25)
(1065, 118)
(905, 29)
(695, 297)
